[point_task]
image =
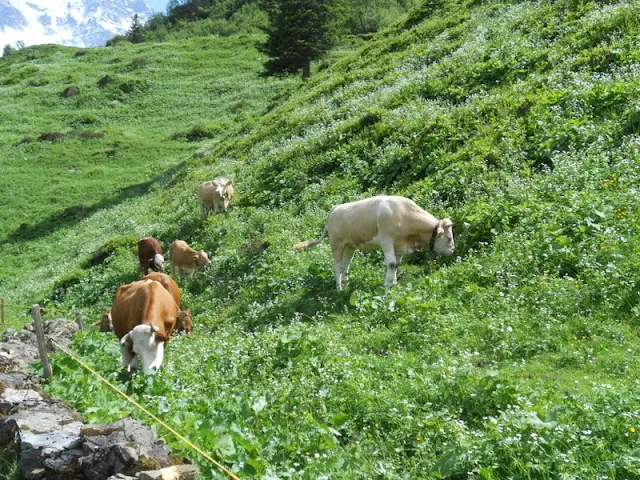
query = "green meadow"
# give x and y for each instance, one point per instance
(516, 358)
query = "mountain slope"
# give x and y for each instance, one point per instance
(513, 359)
(80, 23)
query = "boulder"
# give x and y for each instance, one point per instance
(126, 447)
(177, 472)
(61, 330)
(16, 356)
(45, 438)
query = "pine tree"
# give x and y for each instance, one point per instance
(135, 31)
(299, 32)
(8, 50)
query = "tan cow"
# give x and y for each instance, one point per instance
(394, 224)
(183, 321)
(144, 316)
(215, 195)
(185, 259)
(105, 323)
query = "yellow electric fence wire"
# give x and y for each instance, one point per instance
(136, 404)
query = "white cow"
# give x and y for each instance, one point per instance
(215, 195)
(394, 224)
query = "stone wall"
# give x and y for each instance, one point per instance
(48, 438)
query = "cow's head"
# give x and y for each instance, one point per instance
(106, 322)
(183, 321)
(144, 342)
(201, 258)
(158, 262)
(444, 243)
(225, 191)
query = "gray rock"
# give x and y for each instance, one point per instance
(121, 476)
(16, 356)
(178, 472)
(126, 447)
(11, 398)
(45, 438)
(19, 380)
(61, 330)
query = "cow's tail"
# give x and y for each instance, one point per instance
(312, 243)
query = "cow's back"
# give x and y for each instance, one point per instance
(144, 301)
(181, 253)
(168, 283)
(124, 313)
(207, 193)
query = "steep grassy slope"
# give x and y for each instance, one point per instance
(513, 359)
(65, 159)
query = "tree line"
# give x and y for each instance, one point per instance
(298, 31)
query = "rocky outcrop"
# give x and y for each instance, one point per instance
(49, 440)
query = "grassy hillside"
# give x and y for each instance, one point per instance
(65, 160)
(512, 359)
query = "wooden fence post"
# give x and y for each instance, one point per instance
(79, 321)
(2, 302)
(42, 348)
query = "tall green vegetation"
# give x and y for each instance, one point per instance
(512, 359)
(299, 32)
(190, 18)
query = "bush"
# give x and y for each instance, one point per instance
(197, 133)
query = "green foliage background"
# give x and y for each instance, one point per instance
(512, 359)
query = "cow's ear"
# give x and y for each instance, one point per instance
(155, 328)
(229, 182)
(195, 258)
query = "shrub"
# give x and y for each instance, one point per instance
(139, 62)
(51, 137)
(198, 133)
(104, 81)
(70, 91)
(134, 85)
(125, 243)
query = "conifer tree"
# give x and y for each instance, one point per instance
(135, 31)
(299, 32)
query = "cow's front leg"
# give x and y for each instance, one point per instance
(392, 266)
(126, 354)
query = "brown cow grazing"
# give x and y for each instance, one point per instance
(144, 316)
(183, 322)
(394, 224)
(150, 255)
(185, 259)
(215, 195)
(105, 323)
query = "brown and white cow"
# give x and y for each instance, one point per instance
(215, 195)
(394, 224)
(183, 321)
(185, 259)
(150, 255)
(144, 316)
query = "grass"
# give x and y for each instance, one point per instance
(512, 359)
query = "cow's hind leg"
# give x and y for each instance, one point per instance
(337, 251)
(391, 263)
(347, 256)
